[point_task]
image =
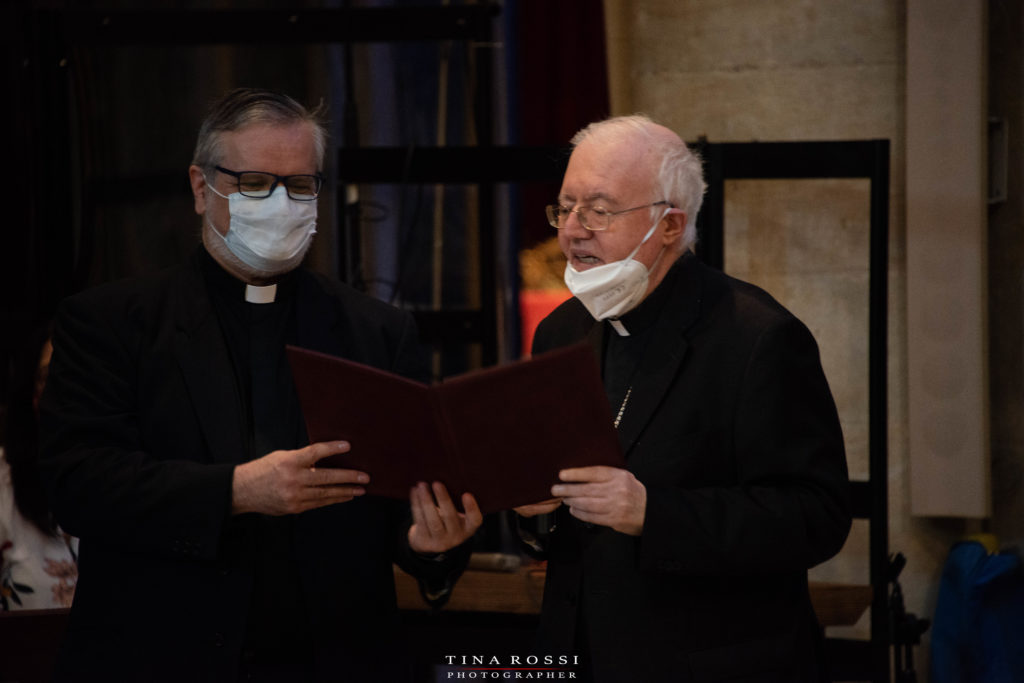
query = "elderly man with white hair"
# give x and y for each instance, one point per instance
(690, 564)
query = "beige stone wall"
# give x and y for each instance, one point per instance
(746, 70)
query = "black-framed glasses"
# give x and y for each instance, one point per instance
(260, 185)
(593, 218)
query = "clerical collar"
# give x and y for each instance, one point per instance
(646, 314)
(260, 295)
(231, 289)
(619, 328)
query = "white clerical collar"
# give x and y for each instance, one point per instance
(260, 295)
(618, 327)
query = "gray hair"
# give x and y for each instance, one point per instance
(680, 174)
(247, 106)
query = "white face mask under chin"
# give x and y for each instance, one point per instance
(613, 289)
(270, 235)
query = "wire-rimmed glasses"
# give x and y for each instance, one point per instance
(593, 218)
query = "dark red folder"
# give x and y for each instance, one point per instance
(501, 433)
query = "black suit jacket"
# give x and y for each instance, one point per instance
(142, 426)
(732, 429)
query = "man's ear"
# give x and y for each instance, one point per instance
(198, 182)
(676, 225)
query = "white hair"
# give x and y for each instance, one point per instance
(680, 175)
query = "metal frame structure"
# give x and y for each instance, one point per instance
(483, 166)
(851, 659)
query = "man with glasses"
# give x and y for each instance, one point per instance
(213, 548)
(690, 563)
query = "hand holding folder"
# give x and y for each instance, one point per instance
(501, 433)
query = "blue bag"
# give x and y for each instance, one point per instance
(978, 633)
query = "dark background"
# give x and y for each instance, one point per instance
(104, 100)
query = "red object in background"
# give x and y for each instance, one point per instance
(534, 306)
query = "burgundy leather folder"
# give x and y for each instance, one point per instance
(501, 433)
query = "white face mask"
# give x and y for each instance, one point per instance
(270, 235)
(613, 289)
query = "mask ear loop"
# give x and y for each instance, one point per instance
(669, 212)
(206, 213)
(213, 189)
(650, 232)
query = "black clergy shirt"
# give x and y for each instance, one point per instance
(623, 353)
(276, 638)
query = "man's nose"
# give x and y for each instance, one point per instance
(574, 227)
